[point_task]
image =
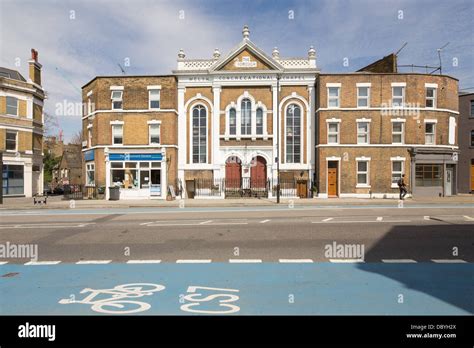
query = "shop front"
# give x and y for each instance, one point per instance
(137, 175)
(434, 172)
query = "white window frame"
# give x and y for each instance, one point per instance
(402, 161)
(152, 124)
(90, 167)
(116, 99)
(16, 140)
(337, 122)
(433, 122)
(114, 126)
(367, 172)
(195, 105)
(367, 133)
(359, 97)
(154, 97)
(336, 98)
(433, 98)
(89, 135)
(296, 104)
(17, 106)
(401, 85)
(402, 132)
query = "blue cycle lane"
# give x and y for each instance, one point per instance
(238, 289)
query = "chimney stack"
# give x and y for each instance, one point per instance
(34, 68)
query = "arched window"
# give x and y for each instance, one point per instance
(246, 117)
(259, 121)
(293, 134)
(199, 134)
(232, 122)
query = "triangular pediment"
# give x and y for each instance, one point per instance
(246, 57)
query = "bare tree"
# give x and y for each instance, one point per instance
(76, 138)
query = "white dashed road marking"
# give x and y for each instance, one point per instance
(380, 218)
(398, 261)
(296, 261)
(144, 261)
(328, 219)
(245, 260)
(264, 221)
(468, 218)
(41, 263)
(193, 261)
(93, 262)
(449, 261)
(346, 260)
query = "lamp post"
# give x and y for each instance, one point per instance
(278, 138)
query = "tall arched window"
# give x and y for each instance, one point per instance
(259, 121)
(199, 134)
(293, 134)
(246, 117)
(232, 122)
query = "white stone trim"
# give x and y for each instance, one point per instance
(333, 84)
(398, 84)
(431, 85)
(117, 122)
(129, 111)
(89, 93)
(363, 84)
(116, 88)
(398, 109)
(430, 120)
(364, 120)
(333, 120)
(153, 87)
(154, 122)
(387, 145)
(398, 158)
(398, 119)
(363, 158)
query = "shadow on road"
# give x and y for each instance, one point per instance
(452, 283)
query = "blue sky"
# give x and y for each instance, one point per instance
(78, 40)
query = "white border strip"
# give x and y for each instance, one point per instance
(193, 261)
(143, 261)
(245, 260)
(93, 262)
(448, 261)
(295, 261)
(41, 263)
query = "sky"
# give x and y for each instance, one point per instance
(78, 40)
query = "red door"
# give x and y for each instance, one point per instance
(258, 172)
(233, 172)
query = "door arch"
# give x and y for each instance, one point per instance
(233, 172)
(258, 172)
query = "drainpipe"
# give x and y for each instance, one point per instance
(278, 138)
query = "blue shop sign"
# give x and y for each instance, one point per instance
(89, 155)
(135, 157)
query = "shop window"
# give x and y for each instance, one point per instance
(428, 174)
(13, 179)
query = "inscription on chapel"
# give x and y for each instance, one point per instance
(245, 63)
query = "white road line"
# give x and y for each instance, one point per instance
(193, 261)
(328, 219)
(228, 223)
(41, 263)
(146, 223)
(426, 217)
(346, 260)
(356, 222)
(398, 261)
(205, 222)
(93, 262)
(468, 218)
(264, 221)
(79, 225)
(295, 261)
(144, 261)
(245, 260)
(3, 262)
(448, 261)
(380, 218)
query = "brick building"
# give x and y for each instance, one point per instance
(466, 143)
(228, 108)
(21, 130)
(376, 124)
(130, 134)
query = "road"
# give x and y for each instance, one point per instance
(268, 260)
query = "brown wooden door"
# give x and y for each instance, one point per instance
(472, 176)
(332, 182)
(302, 188)
(258, 172)
(233, 174)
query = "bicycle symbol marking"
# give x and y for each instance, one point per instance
(117, 303)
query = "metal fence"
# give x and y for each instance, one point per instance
(73, 192)
(248, 188)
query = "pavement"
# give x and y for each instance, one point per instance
(266, 259)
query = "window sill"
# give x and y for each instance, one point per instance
(363, 186)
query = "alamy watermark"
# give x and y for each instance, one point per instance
(19, 251)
